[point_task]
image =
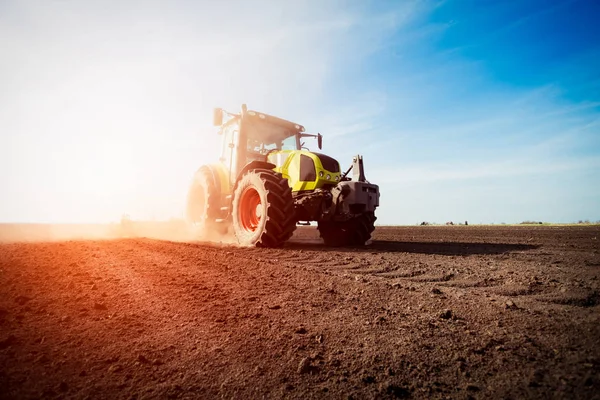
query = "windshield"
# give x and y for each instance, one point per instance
(290, 144)
(264, 136)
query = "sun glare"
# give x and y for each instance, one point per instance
(103, 179)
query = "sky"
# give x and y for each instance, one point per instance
(479, 111)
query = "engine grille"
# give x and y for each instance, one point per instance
(330, 164)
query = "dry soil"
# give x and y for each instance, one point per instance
(423, 312)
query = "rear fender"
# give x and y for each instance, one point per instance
(220, 178)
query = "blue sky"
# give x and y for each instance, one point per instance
(464, 110)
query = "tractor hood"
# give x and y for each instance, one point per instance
(306, 170)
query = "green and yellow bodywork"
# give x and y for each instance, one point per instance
(305, 170)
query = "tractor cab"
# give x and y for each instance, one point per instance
(253, 136)
(265, 134)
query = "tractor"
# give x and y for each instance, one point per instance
(267, 182)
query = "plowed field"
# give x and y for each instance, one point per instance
(423, 312)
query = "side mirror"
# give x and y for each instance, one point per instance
(320, 141)
(217, 117)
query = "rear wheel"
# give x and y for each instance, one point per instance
(263, 209)
(203, 203)
(353, 232)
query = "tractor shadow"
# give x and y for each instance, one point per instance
(439, 248)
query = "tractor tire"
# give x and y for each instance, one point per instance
(263, 209)
(203, 203)
(353, 232)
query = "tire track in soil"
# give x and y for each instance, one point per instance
(527, 251)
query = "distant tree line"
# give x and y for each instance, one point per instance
(527, 222)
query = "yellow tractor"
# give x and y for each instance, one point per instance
(266, 182)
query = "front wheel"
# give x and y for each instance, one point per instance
(263, 209)
(353, 232)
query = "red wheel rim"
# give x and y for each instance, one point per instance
(250, 209)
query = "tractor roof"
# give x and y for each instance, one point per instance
(276, 120)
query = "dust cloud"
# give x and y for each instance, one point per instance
(174, 230)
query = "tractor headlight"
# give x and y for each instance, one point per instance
(328, 177)
(321, 174)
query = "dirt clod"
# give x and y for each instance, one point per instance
(42, 359)
(396, 391)
(11, 339)
(115, 368)
(510, 305)
(304, 365)
(22, 300)
(472, 387)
